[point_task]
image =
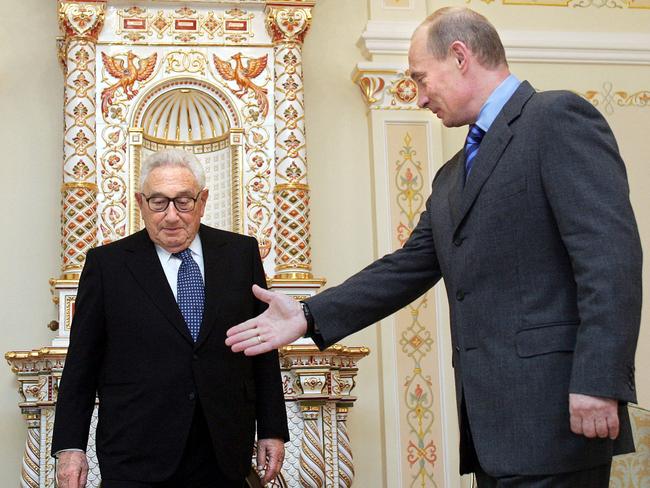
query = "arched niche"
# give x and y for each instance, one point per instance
(198, 117)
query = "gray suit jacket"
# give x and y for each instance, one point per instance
(541, 259)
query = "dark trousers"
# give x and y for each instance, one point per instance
(597, 477)
(197, 467)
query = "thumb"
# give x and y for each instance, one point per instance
(265, 295)
(261, 456)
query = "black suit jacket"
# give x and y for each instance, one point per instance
(541, 259)
(129, 345)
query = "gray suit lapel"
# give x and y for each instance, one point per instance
(457, 185)
(493, 145)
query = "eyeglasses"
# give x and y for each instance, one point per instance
(160, 203)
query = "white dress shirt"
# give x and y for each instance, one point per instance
(171, 263)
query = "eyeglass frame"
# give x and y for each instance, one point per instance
(172, 200)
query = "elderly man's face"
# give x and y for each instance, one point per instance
(441, 87)
(171, 229)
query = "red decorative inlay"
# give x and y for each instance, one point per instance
(185, 24)
(236, 25)
(134, 24)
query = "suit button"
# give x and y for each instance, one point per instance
(458, 241)
(457, 348)
(192, 396)
(460, 295)
(195, 357)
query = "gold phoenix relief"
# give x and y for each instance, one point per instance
(127, 75)
(243, 76)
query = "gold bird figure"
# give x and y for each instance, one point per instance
(243, 76)
(126, 76)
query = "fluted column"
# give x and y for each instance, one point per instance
(80, 23)
(287, 23)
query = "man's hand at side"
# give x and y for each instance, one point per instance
(270, 454)
(281, 324)
(593, 416)
(71, 469)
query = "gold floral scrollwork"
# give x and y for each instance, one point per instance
(133, 23)
(186, 62)
(288, 24)
(371, 88)
(607, 99)
(82, 19)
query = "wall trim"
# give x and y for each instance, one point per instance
(386, 38)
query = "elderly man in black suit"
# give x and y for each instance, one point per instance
(531, 228)
(177, 408)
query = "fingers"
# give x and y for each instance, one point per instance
(237, 329)
(265, 295)
(257, 349)
(72, 470)
(261, 456)
(593, 416)
(613, 426)
(576, 424)
(273, 456)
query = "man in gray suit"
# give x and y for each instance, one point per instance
(531, 228)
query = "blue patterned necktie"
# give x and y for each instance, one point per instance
(190, 293)
(473, 141)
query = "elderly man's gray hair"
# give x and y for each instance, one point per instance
(172, 157)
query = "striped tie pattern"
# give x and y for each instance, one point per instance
(472, 143)
(190, 293)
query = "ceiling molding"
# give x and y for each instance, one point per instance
(384, 38)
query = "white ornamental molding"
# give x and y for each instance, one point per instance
(385, 38)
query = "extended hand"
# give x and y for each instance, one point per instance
(282, 323)
(270, 454)
(71, 469)
(593, 416)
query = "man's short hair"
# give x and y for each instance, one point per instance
(449, 24)
(172, 157)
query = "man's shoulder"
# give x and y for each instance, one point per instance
(557, 99)
(212, 233)
(129, 242)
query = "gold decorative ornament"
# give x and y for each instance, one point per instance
(126, 76)
(243, 76)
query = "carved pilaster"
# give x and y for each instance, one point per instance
(345, 460)
(312, 463)
(80, 23)
(31, 470)
(320, 384)
(288, 24)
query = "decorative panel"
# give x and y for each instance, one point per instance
(415, 325)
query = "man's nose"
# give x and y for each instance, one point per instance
(171, 213)
(423, 100)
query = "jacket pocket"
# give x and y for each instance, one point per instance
(547, 338)
(503, 191)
